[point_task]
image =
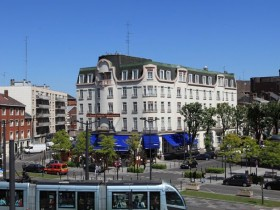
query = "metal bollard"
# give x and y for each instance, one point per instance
(216, 177)
(181, 183)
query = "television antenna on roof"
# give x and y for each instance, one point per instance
(128, 38)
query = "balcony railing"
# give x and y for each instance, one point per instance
(150, 111)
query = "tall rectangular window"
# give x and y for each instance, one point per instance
(90, 77)
(162, 91)
(81, 79)
(134, 89)
(196, 78)
(81, 94)
(135, 107)
(110, 106)
(190, 78)
(181, 76)
(89, 94)
(168, 75)
(150, 75)
(98, 92)
(135, 74)
(124, 108)
(90, 108)
(124, 92)
(110, 92)
(209, 80)
(135, 127)
(124, 123)
(124, 75)
(204, 80)
(81, 108)
(161, 74)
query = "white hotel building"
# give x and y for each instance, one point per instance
(122, 89)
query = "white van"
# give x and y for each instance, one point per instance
(35, 148)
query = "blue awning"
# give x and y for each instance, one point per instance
(151, 141)
(170, 140)
(120, 144)
(93, 139)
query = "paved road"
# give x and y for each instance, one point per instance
(174, 175)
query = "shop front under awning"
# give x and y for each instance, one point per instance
(170, 140)
(120, 142)
(151, 141)
(178, 139)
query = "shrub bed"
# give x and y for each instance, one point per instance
(215, 170)
(159, 166)
(131, 169)
(190, 174)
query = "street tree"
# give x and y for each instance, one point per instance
(107, 151)
(133, 144)
(273, 111)
(225, 112)
(231, 147)
(61, 141)
(80, 147)
(208, 123)
(239, 117)
(256, 118)
(193, 114)
(250, 149)
(269, 154)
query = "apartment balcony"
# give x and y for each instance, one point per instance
(110, 97)
(43, 106)
(60, 107)
(124, 96)
(162, 95)
(148, 130)
(42, 115)
(60, 115)
(42, 97)
(162, 128)
(105, 82)
(150, 111)
(134, 96)
(60, 99)
(60, 123)
(81, 98)
(179, 96)
(42, 124)
(149, 95)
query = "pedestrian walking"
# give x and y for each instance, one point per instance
(194, 175)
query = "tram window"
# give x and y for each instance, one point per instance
(86, 200)
(139, 200)
(173, 198)
(155, 200)
(120, 200)
(48, 200)
(66, 199)
(5, 198)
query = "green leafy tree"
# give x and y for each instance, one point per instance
(107, 151)
(273, 111)
(193, 114)
(256, 119)
(225, 112)
(250, 148)
(61, 141)
(231, 147)
(133, 144)
(269, 154)
(208, 123)
(80, 147)
(239, 115)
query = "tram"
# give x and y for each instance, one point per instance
(92, 195)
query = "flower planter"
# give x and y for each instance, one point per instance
(193, 186)
(245, 192)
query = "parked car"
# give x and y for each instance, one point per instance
(203, 156)
(56, 168)
(35, 168)
(53, 161)
(273, 185)
(189, 164)
(212, 154)
(238, 180)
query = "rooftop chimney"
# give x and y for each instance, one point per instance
(6, 93)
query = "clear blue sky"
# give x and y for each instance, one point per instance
(239, 36)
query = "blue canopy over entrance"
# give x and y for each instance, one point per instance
(178, 139)
(151, 141)
(120, 142)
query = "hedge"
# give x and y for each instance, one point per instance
(215, 170)
(190, 174)
(159, 166)
(131, 169)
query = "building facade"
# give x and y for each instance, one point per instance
(15, 124)
(46, 107)
(134, 94)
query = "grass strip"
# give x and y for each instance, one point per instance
(231, 198)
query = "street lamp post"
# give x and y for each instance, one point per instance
(150, 121)
(87, 146)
